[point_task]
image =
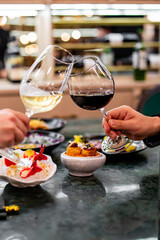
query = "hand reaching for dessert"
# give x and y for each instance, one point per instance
(133, 124)
(13, 127)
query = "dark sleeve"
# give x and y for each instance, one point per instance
(153, 141)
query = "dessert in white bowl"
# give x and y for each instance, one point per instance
(82, 159)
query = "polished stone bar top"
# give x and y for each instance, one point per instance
(119, 202)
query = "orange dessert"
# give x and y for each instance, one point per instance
(88, 150)
(81, 150)
(73, 149)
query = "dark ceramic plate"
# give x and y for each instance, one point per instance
(55, 124)
(34, 139)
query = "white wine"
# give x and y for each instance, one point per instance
(37, 104)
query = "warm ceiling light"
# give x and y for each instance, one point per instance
(65, 37)
(30, 49)
(88, 13)
(34, 48)
(76, 34)
(24, 39)
(32, 37)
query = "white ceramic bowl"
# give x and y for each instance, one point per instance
(82, 166)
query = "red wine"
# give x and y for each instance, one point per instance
(92, 101)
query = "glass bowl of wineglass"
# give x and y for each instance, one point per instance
(93, 89)
(43, 86)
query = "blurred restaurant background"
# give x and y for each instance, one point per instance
(113, 30)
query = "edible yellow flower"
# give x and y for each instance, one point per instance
(130, 148)
(78, 139)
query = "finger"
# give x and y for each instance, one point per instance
(7, 139)
(18, 119)
(113, 134)
(118, 132)
(22, 117)
(21, 122)
(103, 122)
(19, 136)
(17, 114)
(106, 127)
(120, 124)
(117, 113)
(21, 126)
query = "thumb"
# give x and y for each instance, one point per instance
(118, 124)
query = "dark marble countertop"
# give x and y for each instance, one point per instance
(119, 202)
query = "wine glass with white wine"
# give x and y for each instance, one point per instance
(42, 88)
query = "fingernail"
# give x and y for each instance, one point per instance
(112, 123)
(112, 136)
(105, 128)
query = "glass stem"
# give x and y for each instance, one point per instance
(103, 112)
(28, 113)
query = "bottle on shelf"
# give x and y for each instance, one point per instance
(139, 61)
(107, 57)
(13, 61)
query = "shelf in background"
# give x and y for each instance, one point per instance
(95, 46)
(120, 68)
(22, 27)
(103, 22)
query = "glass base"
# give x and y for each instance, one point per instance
(116, 145)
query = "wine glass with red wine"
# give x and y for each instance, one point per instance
(93, 89)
